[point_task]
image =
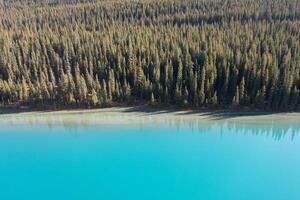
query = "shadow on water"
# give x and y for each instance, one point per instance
(5, 111)
(148, 110)
(261, 123)
(216, 115)
(221, 115)
(274, 125)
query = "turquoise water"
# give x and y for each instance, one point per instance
(148, 156)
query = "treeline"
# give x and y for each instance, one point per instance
(199, 53)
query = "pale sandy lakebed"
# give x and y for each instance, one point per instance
(124, 115)
(256, 122)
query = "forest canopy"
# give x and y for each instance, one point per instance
(197, 53)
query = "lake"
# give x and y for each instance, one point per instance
(127, 154)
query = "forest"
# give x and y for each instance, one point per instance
(188, 53)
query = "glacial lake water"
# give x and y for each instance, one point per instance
(123, 154)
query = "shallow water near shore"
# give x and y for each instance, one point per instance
(129, 154)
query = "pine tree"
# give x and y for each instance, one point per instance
(93, 98)
(236, 98)
(152, 99)
(182, 52)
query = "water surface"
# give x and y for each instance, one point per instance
(118, 154)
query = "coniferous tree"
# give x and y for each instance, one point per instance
(191, 53)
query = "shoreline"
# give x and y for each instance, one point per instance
(148, 109)
(143, 107)
(148, 115)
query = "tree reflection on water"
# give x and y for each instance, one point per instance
(276, 126)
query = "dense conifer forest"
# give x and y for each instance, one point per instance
(196, 53)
